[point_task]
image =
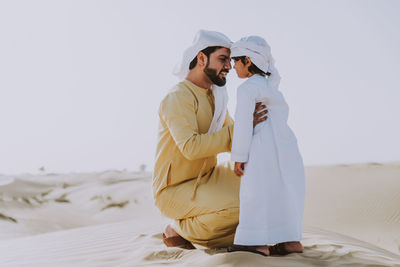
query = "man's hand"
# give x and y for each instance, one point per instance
(239, 168)
(257, 115)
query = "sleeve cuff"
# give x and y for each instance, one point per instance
(239, 157)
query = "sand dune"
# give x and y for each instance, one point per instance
(362, 201)
(108, 219)
(119, 244)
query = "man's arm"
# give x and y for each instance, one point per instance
(259, 112)
(229, 123)
(177, 110)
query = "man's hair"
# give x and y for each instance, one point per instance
(207, 51)
(252, 68)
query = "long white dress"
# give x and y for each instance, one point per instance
(272, 188)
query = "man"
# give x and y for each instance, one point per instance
(188, 185)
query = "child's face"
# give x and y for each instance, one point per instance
(242, 69)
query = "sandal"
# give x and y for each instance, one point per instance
(177, 241)
(247, 249)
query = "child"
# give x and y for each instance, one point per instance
(272, 187)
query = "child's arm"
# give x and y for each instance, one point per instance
(243, 126)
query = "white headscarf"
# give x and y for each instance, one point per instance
(259, 52)
(202, 40)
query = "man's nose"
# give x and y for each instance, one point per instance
(229, 66)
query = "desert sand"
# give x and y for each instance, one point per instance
(352, 218)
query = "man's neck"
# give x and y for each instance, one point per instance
(199, 79)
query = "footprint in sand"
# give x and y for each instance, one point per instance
(164, 255)
(62, 199)
(7, 218)
(116, 205)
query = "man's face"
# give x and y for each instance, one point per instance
(218, 66)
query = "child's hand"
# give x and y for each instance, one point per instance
(239, 168)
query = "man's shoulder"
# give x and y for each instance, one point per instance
(179, 89)
(178, 92)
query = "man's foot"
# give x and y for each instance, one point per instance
(172, 239)
(286, 248)
(170, 232)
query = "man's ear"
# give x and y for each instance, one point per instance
(201, 59)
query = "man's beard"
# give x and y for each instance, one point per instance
(213, 76)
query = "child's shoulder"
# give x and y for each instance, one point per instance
(255, 81)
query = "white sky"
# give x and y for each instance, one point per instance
(81, 81)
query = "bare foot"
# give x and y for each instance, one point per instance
(170, 232)
(263, 249)
(172, 239)
(294, 246)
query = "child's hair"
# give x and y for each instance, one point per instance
(252, 68)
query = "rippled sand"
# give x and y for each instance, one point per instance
(352, 218)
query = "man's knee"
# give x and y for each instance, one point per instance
(209, 226)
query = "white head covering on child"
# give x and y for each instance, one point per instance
(259, 52)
